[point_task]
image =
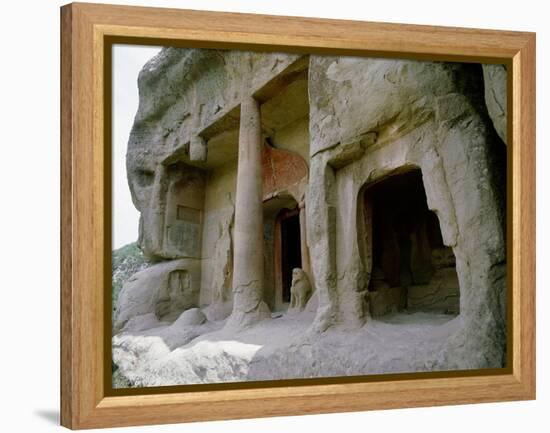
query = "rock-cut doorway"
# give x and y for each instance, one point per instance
(411, 268)
(289, 255)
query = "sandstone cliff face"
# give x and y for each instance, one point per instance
(165, 289)
(354, 122)
(182, 93)
(399, 115)
(184, 191)
(495, 78)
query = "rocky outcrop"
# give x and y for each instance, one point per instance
(191, 317)
(183, 92)
(424, 115)
(495, 79)
(164, 290)
(224, 140)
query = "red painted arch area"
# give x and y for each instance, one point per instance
(281, 169)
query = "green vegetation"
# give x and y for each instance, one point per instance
(126, 261)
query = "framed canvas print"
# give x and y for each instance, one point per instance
(267, 216)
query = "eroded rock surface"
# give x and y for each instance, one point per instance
(164, 290)
(495, 77)
(312, 136)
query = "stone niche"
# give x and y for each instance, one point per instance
(170, 199)
(184, 211)
(174, 295)
(411, 267)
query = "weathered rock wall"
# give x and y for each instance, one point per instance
(495, 79)
(366, 119)
(217, 247)
(371, 118)
(165, 290)
(182, 92)
(187, 205)
(294, 137)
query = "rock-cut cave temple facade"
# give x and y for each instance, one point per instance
(382, 180)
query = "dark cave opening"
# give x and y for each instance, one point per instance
(412, 269)
(291, 256)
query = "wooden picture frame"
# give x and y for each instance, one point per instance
(85, 32)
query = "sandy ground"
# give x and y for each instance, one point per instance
(160, 354)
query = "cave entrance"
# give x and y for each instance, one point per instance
(282, 249)
(411, 267)
(290, 254)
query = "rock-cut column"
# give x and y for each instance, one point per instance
(248, 246)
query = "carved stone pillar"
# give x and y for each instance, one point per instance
(248, 258)
(156, 214)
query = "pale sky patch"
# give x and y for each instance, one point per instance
(127, 62)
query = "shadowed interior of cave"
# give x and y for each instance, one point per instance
(411, 267)
(291, 256)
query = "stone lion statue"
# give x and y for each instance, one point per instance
(299, 290)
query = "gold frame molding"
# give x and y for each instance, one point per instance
(87, 32)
